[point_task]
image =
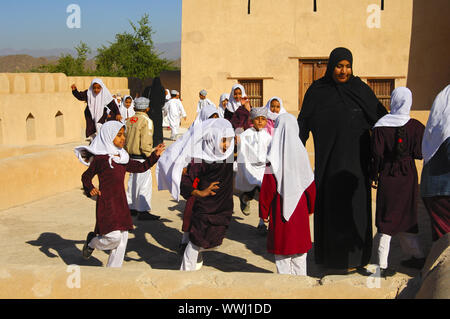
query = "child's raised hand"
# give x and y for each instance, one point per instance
(160, 149)
(73, 87)
(95, 192)
(119, 118)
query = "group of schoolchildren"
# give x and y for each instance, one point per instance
(255, 151)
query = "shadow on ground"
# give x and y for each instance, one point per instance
(65, 248)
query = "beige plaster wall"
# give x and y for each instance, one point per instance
(429, 65)
(44, 96)
(220, 40)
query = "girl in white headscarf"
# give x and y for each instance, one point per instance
(435, 181)
(396, 145)
(127, 108)
(210, 181)
(274, 108)
(236, 94)
(287, 198)
(223, 102)
(107, 158)
(207, 112)
(101, 106)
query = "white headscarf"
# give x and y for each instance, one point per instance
(290, 163)
(202, 143)
(124, 111)
(251, 159)
(401, 101)
(98, 102)
(205, 113)
(271, 115)
(223, 97)
(103, 145)
(233, 105)
(438, 125)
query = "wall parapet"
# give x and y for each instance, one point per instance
(39, 108)
(20, 83)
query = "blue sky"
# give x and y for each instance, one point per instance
(41, 24)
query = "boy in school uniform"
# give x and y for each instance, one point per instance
(175, 111)
(139, 144)
(251, 160)
(203, 101)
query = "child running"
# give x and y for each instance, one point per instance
(164, 169)
(251, 161)
(108, 160)
(212, 171)
(396, 143)
(287, 198)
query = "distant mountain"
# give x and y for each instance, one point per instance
(12, 60)
(168, 50)
(23, 63)
(37, 53)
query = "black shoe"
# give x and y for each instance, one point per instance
(413, 262)
(87, 251)
(245, 205)
(182, 248)
(133, 212)
(147, 216)
(388, 272)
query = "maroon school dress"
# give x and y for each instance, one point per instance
(228, 115)
(112, 211)
(398, 190)
(241, 118)
(90, 123)
(286, 237)
(210, 215)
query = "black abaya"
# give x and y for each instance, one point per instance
(157, 101)
(340, 116)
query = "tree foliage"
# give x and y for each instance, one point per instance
(69, 65)
(132, 54)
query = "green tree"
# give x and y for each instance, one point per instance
(132, 54)
(69, 65)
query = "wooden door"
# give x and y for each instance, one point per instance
(382, 89)
(310, 70)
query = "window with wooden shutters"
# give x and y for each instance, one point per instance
(382, 89)
(254, 91)
(310, 70)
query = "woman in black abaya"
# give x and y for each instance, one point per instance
(157, 101)
(339, 110)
